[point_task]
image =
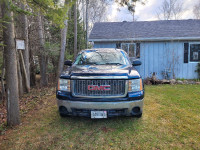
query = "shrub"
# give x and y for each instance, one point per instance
(198, 70)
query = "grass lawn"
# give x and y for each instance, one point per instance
(171, 120)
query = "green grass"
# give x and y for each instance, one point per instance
(171, 120)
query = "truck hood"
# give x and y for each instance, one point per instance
(89, 70)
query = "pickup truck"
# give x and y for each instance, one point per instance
(100, 83)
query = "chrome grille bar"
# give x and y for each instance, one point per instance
(118, 88)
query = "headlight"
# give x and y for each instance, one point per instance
(64, 85)
(135, 85)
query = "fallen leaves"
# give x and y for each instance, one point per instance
(29, 102)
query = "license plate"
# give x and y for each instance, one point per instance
(98, 114)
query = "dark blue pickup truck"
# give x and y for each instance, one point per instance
(101, 83)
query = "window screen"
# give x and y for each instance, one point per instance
(194, 52)
(125, 47)
(131, 50)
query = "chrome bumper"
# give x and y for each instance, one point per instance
(129, 105)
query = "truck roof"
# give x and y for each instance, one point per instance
(102, 49)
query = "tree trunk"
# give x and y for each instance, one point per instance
(42, 58)
(87, 3)
(62, 51)
(32, 69)
(13, 117)
(26, 51)
(75, 30)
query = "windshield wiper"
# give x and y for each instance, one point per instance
(93, 63)
(113, 64)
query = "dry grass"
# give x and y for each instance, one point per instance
(171, 121)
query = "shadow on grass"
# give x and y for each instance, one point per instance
(84, 124)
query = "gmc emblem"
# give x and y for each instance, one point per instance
(99, 88)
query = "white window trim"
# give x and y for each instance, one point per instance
(191, 43)
(128, 48)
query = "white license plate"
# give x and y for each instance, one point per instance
(98, 114)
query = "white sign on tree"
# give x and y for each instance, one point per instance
(20, 44)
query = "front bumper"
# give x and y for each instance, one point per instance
(80, 108)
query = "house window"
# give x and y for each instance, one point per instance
(130, 49)
(194, 52)
(118, 45)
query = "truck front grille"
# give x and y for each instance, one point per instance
(95, 88)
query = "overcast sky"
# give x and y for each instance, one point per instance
(146, 12)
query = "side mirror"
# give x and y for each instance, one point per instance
(68, 63)
(136, 63)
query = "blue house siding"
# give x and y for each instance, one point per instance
(158, 56)
(104, 45)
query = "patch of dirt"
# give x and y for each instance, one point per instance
(106, 129)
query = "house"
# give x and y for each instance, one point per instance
(168, 49)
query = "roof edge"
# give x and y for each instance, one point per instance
(146, 39)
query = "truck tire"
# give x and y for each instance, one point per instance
(63, 111)
(138, 116)
(63, 115)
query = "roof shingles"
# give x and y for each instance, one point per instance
(146, 29)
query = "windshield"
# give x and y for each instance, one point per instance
(102, 58)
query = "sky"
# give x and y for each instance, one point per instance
(146, 12)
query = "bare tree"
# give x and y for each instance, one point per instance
(93, 11)
(97, 10)
(131, 5)
(34, 48)
(170, 9)
(13, 117)
(75, 30)
(196, 10)
(42, 56)
(26, 51)
(63, 46)
(87, 20)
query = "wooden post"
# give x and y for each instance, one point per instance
(20, 85)
(24, 74)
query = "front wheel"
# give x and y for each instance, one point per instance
(138, 116)
(63, 111)
(63, 115)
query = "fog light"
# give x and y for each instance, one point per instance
(136, 110)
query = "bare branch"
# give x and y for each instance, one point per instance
(196, 10)
(170, 9)
(97, 10)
